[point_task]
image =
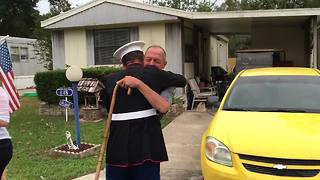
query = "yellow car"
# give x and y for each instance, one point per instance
(267, 127)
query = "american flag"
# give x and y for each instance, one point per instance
(7, 77)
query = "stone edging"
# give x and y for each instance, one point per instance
(76, 155)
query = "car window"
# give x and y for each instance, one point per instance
(275, 93)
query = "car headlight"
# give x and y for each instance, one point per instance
(218, 152)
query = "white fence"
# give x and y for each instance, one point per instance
(23, 82)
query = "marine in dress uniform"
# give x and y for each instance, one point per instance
(136, 145)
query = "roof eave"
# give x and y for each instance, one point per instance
(144, 6)
(257, 13)
(118, 25)
(69, 13)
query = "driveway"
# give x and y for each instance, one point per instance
(183, 138)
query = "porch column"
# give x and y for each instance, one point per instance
(314, 30)
(317, 41)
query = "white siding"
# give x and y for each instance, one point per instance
(90, 47)
(152, 34)
(174, 48)
(58, 55)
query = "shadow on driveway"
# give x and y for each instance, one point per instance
(183, 139)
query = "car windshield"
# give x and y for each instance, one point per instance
(275, 94)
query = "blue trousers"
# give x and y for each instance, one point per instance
(146, 171)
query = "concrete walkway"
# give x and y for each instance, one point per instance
(183, 138)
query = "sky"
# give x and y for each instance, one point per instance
(43, 5)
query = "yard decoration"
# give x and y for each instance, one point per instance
(67, 105)
(74, 74)
(79, 150)
(91, 88)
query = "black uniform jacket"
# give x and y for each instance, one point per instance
(132, 142)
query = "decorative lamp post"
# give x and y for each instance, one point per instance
(74, 74)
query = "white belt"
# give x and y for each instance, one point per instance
(133, 115)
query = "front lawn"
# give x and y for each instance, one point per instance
(34, 135)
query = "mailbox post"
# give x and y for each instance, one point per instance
(74, 74)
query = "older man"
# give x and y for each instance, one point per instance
(155, 56)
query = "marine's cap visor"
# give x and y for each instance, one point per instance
(127, 48)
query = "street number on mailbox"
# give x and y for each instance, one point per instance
(64, 91)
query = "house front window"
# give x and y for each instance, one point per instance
(14, 53)
(23, 54)
(106, 42)
(19, 54)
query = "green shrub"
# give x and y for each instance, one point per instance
(47, 82)
(99, 72)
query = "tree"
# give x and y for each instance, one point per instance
(187, 5)
(18, 17)
(43, 45)
(58, 6)
(312, 4)
(272, 4)
(229, 5)
(205, 6)
(238, 42)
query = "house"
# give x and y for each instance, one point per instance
(25, 63)
(89, 34)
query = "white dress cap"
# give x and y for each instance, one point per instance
(129, 47)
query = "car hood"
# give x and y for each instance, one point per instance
(285, 135)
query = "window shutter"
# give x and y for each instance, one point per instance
(106, 42)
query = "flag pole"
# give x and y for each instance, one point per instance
(3, 38)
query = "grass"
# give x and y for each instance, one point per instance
(165, 121)
(34, 135)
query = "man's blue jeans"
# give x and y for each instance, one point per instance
(146, 171)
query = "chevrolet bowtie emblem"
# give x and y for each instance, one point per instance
(280, 166)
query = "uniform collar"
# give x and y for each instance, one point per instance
(135, 65)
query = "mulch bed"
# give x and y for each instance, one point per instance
(85, 150)
(83, 147)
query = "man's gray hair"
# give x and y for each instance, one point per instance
(158, 46)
